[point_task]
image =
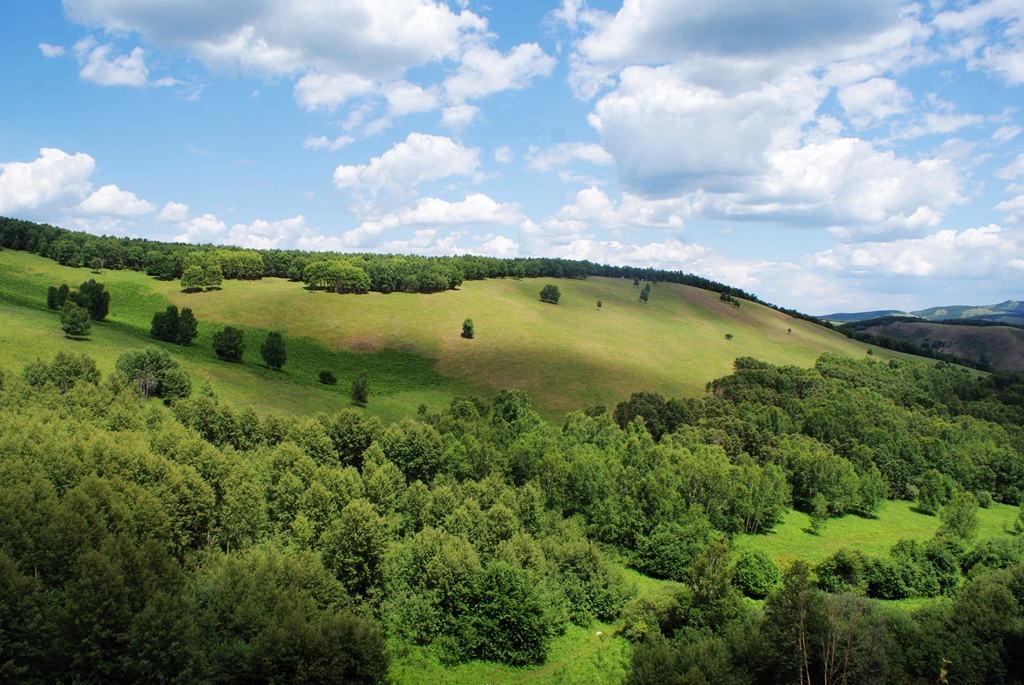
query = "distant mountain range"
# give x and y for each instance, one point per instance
(1011, 312)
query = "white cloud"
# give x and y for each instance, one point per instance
(398, 171)
(201, 229)
(592, 207)
(112, 201)
(1004, 134)
(173, 213)
(51, 50)
(484, 71)
(1013, 169)
(406, 98)
(563, 153)
(270, 235)
(54, 177)
(1016, 208)
(374, 39)
(122, 70)
(458, 117)
(503, 154)
(324, 142)
(316, 90)
(873, 101)
(972, 253)
(667, 134)
(990, 36)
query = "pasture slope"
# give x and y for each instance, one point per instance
(565, 356)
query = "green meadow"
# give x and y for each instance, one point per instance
(895, 520)
(565, 356)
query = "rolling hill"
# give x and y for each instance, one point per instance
(1011, 312)
(565, 356)
(1002, 347)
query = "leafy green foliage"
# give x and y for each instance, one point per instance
(327, 378)
(756, 574)
(467, 328)
(273, 352)
(66, 369)
(550, 293)
(74, 321)
(229, 344)
(154, 373)
(193, 280)
(94, 298)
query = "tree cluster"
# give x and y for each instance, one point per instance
(174, 327)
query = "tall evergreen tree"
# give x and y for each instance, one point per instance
(188, 328)
(273, 352)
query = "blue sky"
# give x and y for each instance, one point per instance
(850, 155)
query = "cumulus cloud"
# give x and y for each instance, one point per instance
(112, 201)
(484, 71)
(202, 229)
(872, 101)
(406, 98)
(563, 153)
(98, 66)
(53, 178)
(173, 213)
(988, 36)
(1015, 207)
(503, 154)
(271, 235)
(316, 91)
(458, 117)
(398, 171)
(51, 50)
(972, 253)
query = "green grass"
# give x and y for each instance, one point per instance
(566, 356)
(579, 657)
(875, 536)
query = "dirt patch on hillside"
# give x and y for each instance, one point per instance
(1000, 346)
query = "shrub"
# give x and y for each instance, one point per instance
(327, 378)
(756, 574)
(844, 571)
(467, 328)
(154, 373)
(273, 352)
(63, 372)
(932, 493)
(508, 617)
(984, 498)
(550, 293)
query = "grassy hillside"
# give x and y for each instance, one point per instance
(565, 356)
(896, 519)
(1000, 346)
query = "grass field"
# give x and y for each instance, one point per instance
(895, 520)
(579, 657)
(566, 356)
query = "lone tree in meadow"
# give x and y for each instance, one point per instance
(228, 344)
(272, 351)
(599, 304)
(550, 293)
(467, 328)
(645, 293)
(75, 321)
(361, 389)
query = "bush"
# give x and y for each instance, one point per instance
(508, 617)
(467, 328)
(756, 574)
(228, 344)
(550, 293)
(327, 378)
(63, 372)
(984, 498)
(844, 571)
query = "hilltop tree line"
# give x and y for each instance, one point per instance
(207, 265)
(205, 543)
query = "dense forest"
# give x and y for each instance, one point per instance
(185, 540)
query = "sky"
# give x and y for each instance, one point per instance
(828, 156)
